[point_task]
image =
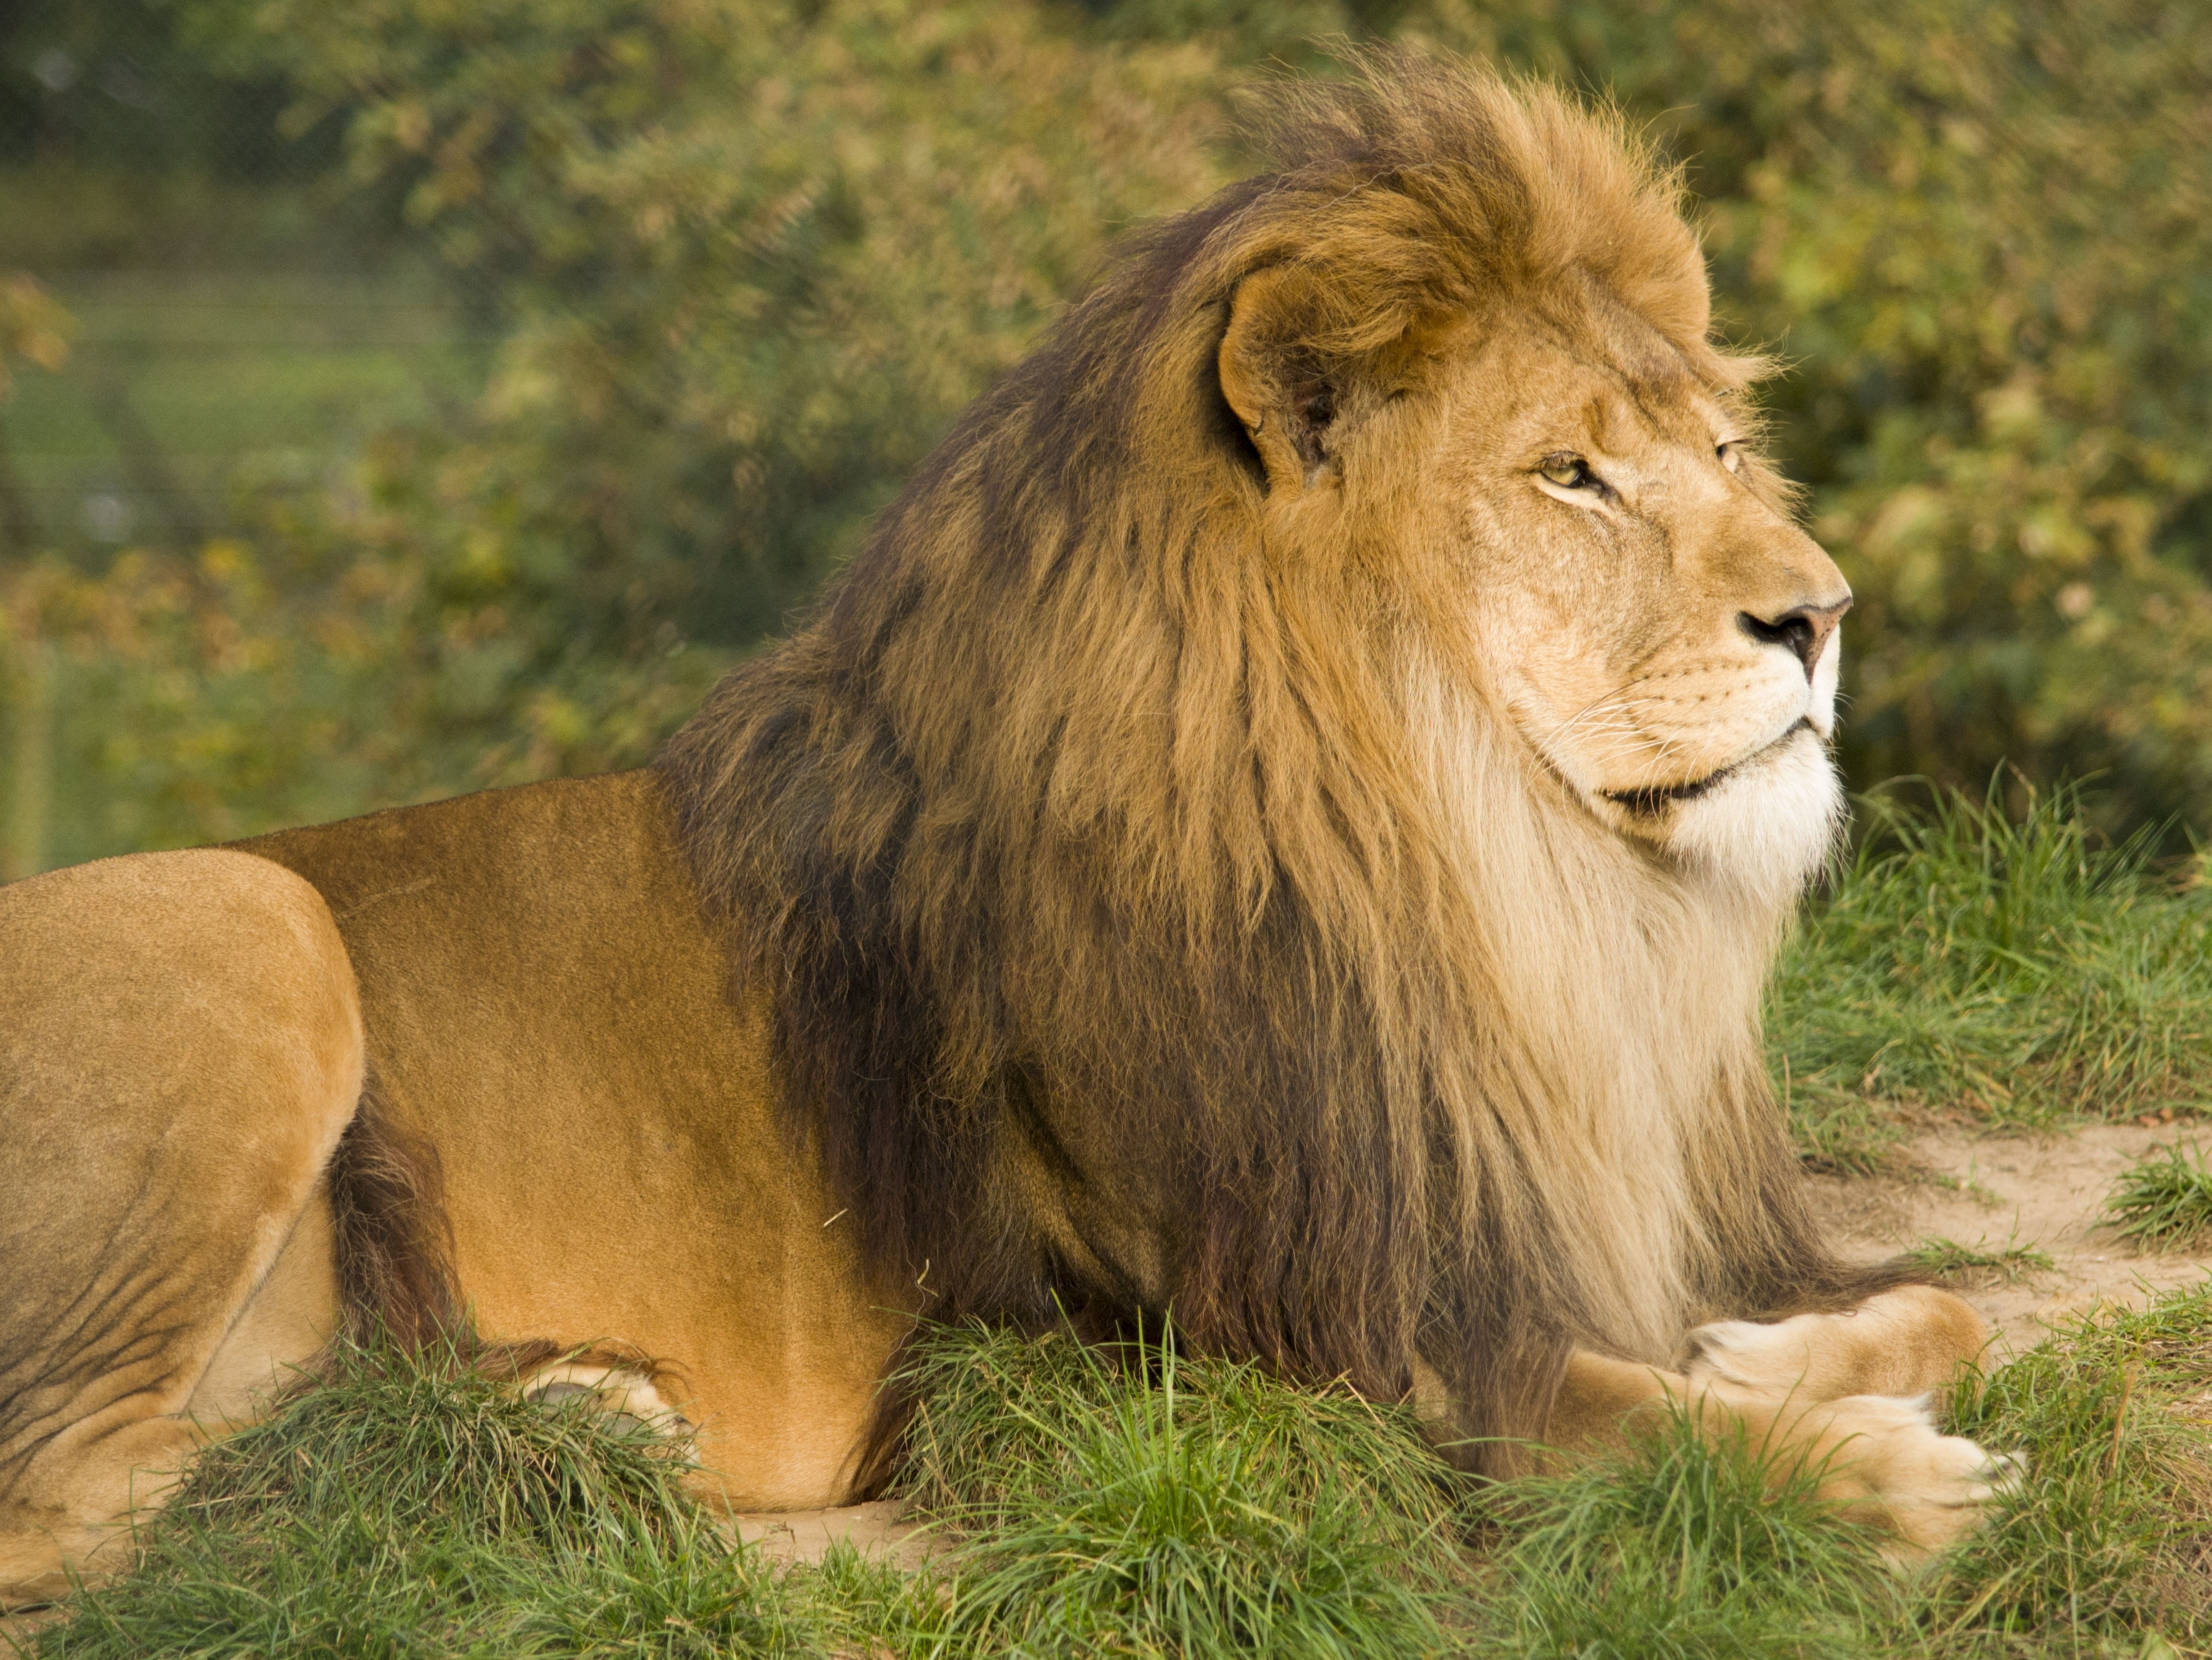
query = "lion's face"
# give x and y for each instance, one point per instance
(1662, 636)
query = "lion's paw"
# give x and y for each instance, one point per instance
(1904, 1341)
(1884, 1453)
(627, 1399)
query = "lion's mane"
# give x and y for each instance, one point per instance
(1095, 836)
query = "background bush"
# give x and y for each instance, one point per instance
(704, 278)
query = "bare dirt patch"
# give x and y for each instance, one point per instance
(873, 1529)
(1996, 1193)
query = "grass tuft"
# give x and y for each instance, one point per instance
(2111, 1531)
(1130, 1500)
(2163, 1201)
(1677, 1547)
(1968, 1265)
(2021, 967)
(412, 1506)
(1684, 1544)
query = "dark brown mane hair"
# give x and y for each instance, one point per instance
(1115, 953)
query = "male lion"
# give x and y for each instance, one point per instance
(1283, 826)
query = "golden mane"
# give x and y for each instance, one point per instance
(1153, 912)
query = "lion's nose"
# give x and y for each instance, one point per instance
(1804, 630)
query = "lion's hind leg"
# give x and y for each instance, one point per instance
(180, 1051)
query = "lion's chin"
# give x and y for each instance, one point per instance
(1766, 826)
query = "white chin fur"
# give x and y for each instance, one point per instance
(1767, 827)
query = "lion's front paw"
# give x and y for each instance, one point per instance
(1905, 1341)
(1883, 1458)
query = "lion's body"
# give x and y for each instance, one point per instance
(547, 1012)
(1284, 823)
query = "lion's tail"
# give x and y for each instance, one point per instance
(393, 1242)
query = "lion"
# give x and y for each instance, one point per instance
(1281, 828)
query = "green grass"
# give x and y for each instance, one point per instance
(1677, 1548)
(1132, 1501)
(1104, 1500)
(2112, 1532)
(2019, 969)
(1949, 1261)
(412, 1507)
(2164, 1201)
(1682, 1546)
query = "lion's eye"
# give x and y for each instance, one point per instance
(1567, 472)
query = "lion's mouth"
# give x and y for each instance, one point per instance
(1652, 799)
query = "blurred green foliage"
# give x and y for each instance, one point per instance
(745, 261)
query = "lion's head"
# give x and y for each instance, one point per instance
(1659, 632)
(1497, 375)
(1287, 818)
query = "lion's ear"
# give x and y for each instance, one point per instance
(1279, 390)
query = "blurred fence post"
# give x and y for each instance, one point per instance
(28, 677)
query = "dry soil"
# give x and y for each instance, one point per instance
(1991, 1193)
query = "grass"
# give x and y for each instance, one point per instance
(2164, 1201)
(2111, 1532)
(1956, 1264)
(1681, 1545)
(1134, 1501)
(1101, 1500)
(410, 1506)
(2020, 969)
(1678, 1548)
